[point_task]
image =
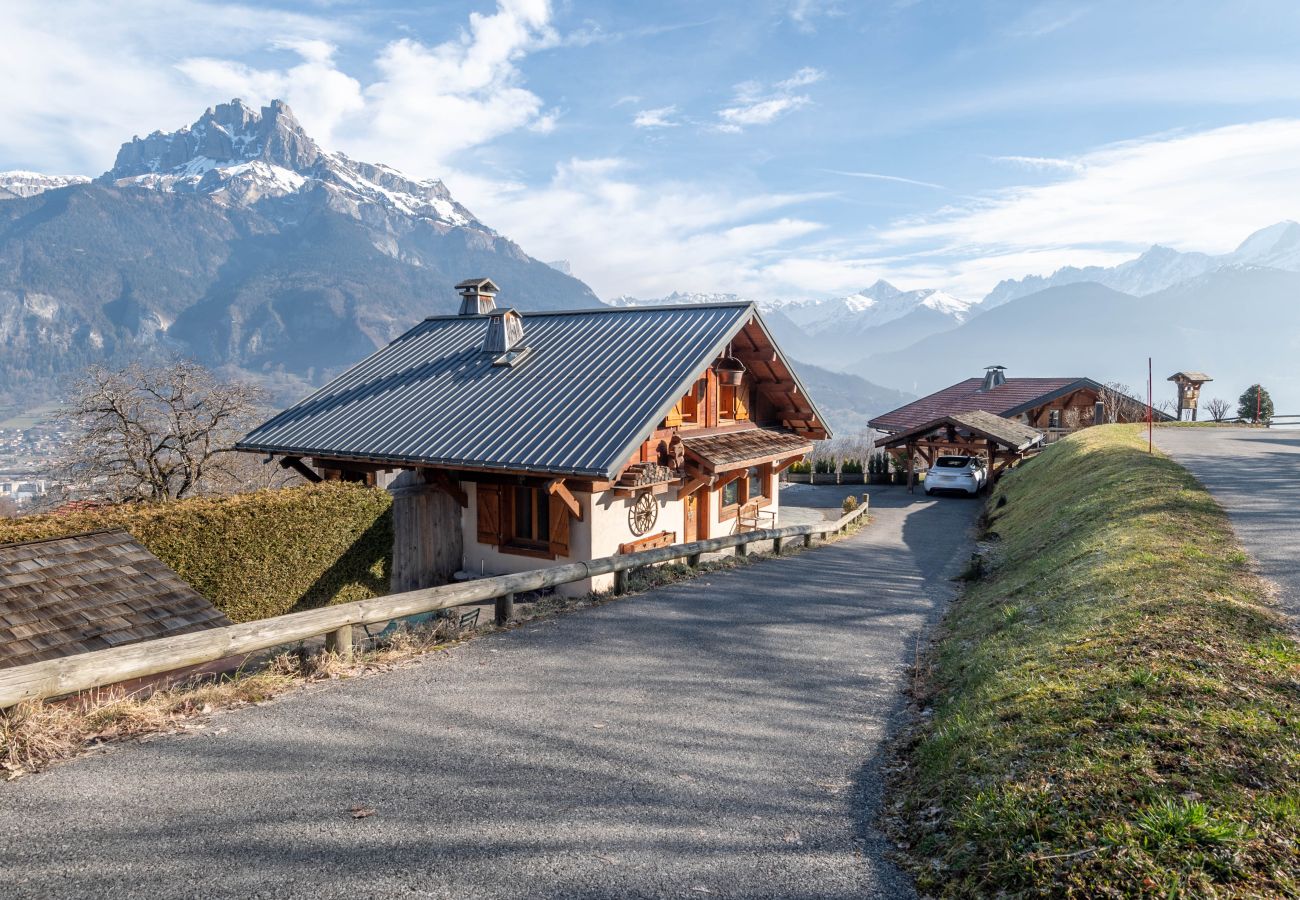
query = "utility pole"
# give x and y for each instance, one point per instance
(1151, 434)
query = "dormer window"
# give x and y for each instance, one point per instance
(505, 337)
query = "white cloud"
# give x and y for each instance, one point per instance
(756, 104)
(151, 65)
(79, 82)
(804, 13)
(656, 118)
(1041, 162)
(628, 236)
(1196, 191)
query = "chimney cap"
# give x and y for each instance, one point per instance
(478, 284)
(991, 368)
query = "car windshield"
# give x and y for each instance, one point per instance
(952, 462)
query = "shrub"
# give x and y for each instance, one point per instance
(802, 467)
(253, 555)
(851, 467)
(1255, 397)
(850, 503)
(824, 466)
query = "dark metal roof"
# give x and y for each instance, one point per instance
(1007, 432)
(594, 384)
(63, 596)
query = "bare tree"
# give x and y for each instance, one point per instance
(1119, 404)
(8, 508)
(156, 432)
(1218, 408)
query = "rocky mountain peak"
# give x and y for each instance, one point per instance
(226, 134)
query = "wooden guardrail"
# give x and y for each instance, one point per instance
(85, 671)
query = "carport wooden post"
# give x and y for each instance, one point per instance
(911, 467)
(993, 462)
(505, 608)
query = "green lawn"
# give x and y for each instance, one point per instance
(1114, 706)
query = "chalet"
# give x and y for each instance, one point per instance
(530, 439)
(1001, 419)
(1042, 403)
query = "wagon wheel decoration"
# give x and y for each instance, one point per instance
(641, 517)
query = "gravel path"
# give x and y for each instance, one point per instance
(1255, 474)
(720, 737)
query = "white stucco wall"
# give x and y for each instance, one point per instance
(603, 527)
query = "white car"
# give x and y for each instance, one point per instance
(957, 473)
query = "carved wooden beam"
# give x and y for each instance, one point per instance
(691, 485)
(296, 463)
(556, 488)
(444, 482)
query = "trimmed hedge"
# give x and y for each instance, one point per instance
(254, 555)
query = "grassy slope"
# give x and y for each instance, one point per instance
(1116, 704)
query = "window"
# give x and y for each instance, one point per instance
(1054, 419)
(755, 486)
(530, 519)
(731, 493)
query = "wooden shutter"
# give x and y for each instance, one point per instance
(489, 513)
(742, 406)
(559, 526)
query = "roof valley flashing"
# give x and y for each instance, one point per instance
(584, 390)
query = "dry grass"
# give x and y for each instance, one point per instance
(1114, 707)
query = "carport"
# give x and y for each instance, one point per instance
(970, 433)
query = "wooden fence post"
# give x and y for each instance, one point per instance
(620, 581)
(808, 539)
(777, 543)
(742, 549)
(505, 608)
(340, 641)
(693, 560)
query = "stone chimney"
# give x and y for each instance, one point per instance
(478, 296)
(993, 376)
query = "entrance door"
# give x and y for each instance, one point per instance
(691, 511)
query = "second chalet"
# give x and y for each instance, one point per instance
(528, 439)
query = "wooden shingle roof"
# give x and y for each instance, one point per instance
(87, 592)
(977, 423)
(727, 450)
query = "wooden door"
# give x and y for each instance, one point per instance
(691, 512)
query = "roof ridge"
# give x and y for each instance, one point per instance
(735, 304)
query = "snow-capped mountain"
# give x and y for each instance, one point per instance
(872, 307)
(237, 155)
(679, 298)
(1276, 247)
(239, 241)
(18, 183)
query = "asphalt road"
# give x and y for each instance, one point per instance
(720, 737)
(1255, 475)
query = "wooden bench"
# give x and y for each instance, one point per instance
(752, 516)
(653, 542)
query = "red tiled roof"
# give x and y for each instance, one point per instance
(1012, 397)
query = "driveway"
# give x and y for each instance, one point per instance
(1255, 475)
(717, 738)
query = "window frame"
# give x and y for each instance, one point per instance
(538, 543)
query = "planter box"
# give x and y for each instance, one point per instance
(851, 478)
(826, 478)
(798, 477)
(878, 478)
(900, 478)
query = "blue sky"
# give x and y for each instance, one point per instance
(776, 149)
